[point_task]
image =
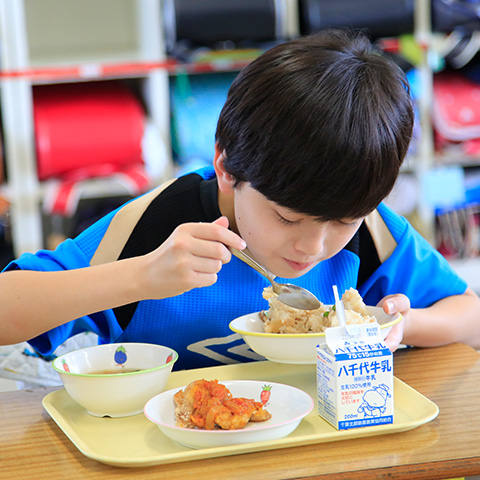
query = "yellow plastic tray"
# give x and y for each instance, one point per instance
(135, 441)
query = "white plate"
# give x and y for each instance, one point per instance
(288, 405)
(294, 348)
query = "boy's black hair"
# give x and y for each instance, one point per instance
(320, 125)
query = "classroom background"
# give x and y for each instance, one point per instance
(102, 101)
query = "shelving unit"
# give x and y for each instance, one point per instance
(83, 41)
(90, 40)
(427, 160)
(424, 159)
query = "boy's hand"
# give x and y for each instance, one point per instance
(190, 258)
(393, 304)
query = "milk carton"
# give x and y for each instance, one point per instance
(355, 377)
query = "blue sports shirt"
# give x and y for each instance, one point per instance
(195, 324)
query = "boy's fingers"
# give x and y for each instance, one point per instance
(395, 303)
(216, 231)
(395, 337)
(230, 238)
(223, 221)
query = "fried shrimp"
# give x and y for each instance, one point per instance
(208, 405)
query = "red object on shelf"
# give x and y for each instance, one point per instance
(84, 130)
(90, 71)
(62, 196)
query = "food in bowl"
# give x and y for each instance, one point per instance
(297, 348)
(281, 318)
(115, 380)
(207, 404)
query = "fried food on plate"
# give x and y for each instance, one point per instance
(207, 404)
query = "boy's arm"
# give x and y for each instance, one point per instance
(35, 302)
(451, 319)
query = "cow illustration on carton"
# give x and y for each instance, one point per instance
(374, 401)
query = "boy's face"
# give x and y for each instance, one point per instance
(287, 243)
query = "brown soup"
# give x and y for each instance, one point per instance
(111, 372)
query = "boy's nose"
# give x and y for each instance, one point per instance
(311, 244)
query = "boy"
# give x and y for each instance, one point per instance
(309, 142)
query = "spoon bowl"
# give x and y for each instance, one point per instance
(291, 295)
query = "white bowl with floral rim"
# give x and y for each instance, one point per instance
(117, 379)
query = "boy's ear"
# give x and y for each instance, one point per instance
(224, 179)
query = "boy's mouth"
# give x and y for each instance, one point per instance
(298, 266)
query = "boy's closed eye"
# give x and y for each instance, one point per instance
(287, 221)
(350, 222)
(347, 222)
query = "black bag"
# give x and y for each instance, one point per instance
(216, 23)
(376, 18)
(448, 15)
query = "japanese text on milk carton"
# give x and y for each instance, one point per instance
(355, 378)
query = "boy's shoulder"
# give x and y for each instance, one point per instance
(386, 228)
(144, 223)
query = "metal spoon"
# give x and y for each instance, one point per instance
(292, 295)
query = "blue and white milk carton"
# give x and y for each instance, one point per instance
(355, 377)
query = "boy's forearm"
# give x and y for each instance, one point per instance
(452, 319)
(35, 302)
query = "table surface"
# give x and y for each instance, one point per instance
(33, 446)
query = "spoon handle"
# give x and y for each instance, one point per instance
(252, 263)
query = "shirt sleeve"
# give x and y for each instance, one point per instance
(414, 268)
(69, 255)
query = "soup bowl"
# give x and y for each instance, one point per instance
(115, 380)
